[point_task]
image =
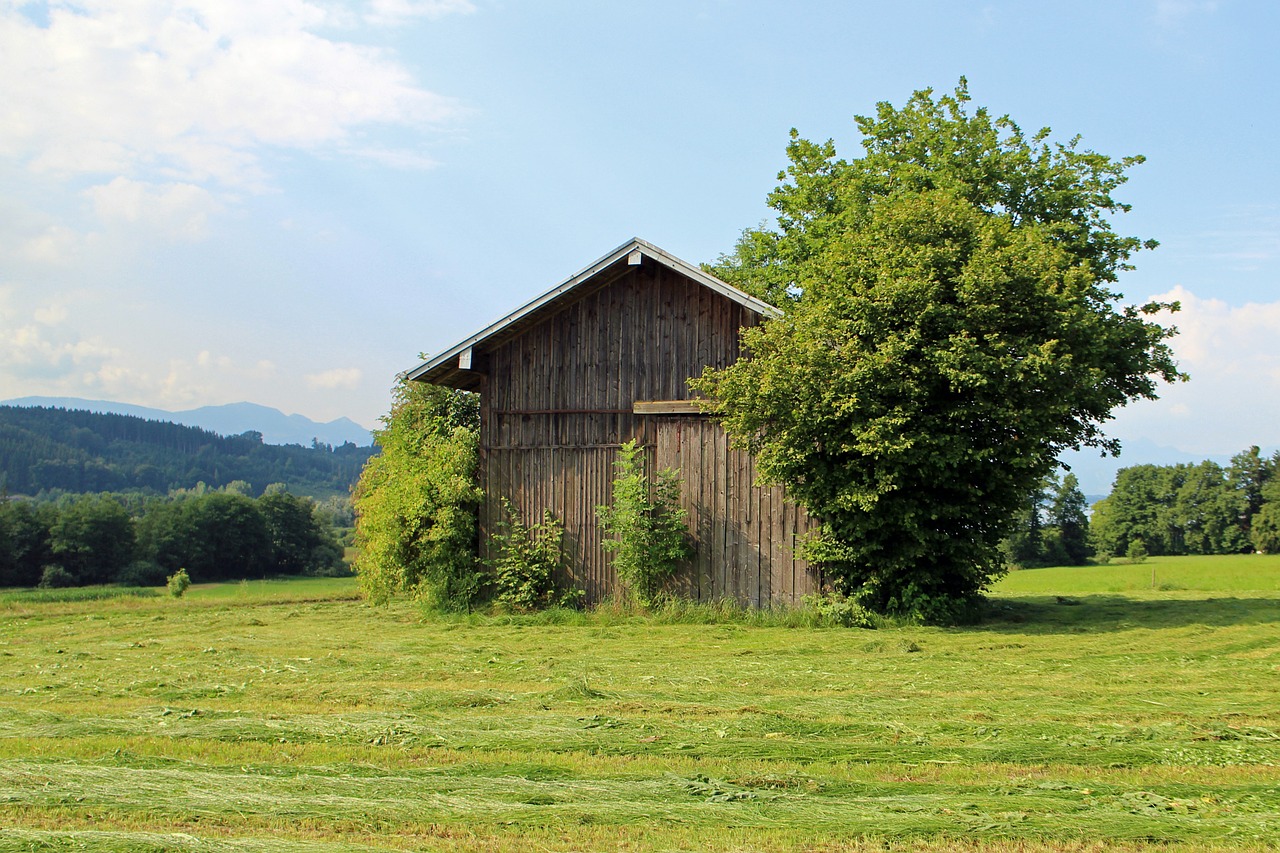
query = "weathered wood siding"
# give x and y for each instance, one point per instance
(744, 534)
(557, 402)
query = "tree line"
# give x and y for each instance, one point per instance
(53, 450)
(1193, 509)
(139, 541)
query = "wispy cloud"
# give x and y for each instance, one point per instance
(178, 210)
(197, 92)
(32, 347)
(396, 11)
(1243, 239)
(342, 377)
(1170, 14)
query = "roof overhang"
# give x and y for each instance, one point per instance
(458, 367)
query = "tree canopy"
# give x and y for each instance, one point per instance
(1192, 509)
(948, 327)
(56, 450)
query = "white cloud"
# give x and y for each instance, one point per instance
(56, 244)
(395, 11)
(1225, 339)
(1233, 397)
(196, 91)
(342, 377)
(176, 210)
(52, 314)
(28, 352)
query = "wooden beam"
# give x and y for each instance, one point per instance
(668, 407)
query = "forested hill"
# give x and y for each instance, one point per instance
(78, 451)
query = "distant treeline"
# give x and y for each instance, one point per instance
(139, 541)
(60, 450)
(1053, 527)
(1203, 508)
(1192, 509)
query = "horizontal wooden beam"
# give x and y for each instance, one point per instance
(562, 412)
(668, 407)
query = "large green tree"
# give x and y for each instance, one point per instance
(1265, 530)
(1069, 517)
(24, 542)
(948, 327)
(92, 537)
(301, 543)
(416, 501)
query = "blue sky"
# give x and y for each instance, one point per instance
(285, 202)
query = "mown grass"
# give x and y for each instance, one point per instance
(293, 716)
(1211, 574)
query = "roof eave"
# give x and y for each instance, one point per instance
(625, 251)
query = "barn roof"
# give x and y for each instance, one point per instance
(451, 367)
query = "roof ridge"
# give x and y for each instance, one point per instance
(609, 259)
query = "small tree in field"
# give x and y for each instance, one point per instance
(178, 583)
(650, 536)
(948, 328)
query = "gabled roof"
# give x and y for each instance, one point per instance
(445, 367)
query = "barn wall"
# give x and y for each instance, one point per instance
(744, 535)
(557, 402)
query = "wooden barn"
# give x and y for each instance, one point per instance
(601, 359)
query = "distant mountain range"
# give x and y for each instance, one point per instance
(231, 419)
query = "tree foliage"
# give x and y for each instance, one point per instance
(416, 501)
(649, 536)
(24, 542)
(528, 556)
(214, 536)
(301, 542)
(139, 541)
(1052, 527)
(1191, 509)
(948, 328)
(1265, 535)
(92, 538)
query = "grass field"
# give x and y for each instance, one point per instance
(1090, 712)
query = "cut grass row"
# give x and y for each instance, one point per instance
(291, 716)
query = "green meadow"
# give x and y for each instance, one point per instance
(1122, 707)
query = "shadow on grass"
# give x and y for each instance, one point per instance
(1087, 614)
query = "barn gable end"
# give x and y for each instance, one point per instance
(559, 383)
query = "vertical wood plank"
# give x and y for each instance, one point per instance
(730, 528)
(779, 589)
(691, 475)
